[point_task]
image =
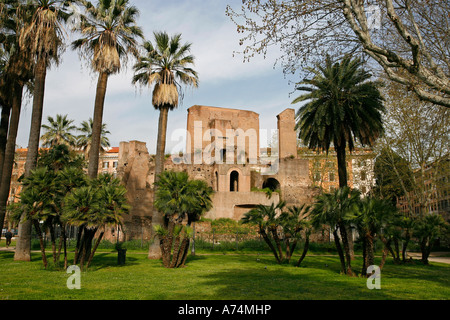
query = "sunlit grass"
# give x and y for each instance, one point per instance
(217, 277)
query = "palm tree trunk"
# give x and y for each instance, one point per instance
(41, 242)
(176, 252)
(342, 165)
(385, 254)
(94, 152)
(10, 150)
(343, 182)
(364, 266)
(370, 250)
(184, 251)
(348, 258)
(4, 127)
(277, 243)
(339, 250)
(79, 244)
(157, 219)
(24, 242)
(305, 250)
(263, 233)
(91, 256)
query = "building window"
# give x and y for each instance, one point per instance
(234, 181)
(217, 181)
(105, 165)
(317, 177)
(331, 176)
(115, 164)
(363, 176)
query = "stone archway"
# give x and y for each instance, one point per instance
(271, 183)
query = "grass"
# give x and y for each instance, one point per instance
(219, 277)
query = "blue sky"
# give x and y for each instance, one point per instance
(225, 81)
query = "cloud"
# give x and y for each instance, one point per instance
(225, 81)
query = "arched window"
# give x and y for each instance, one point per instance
(272, 184)
(234, 181)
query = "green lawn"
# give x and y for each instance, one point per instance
(219, 277)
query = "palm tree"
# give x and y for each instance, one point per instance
(58, 131)
(84, 140)
(178, 198)
(332, 209)
(373, 216)
(428, 229)
(16, 73)
(93, 207)
(266, 218)
(109, 34)
(44, 37)
(166, 65)
(343, 107)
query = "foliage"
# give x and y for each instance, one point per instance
(58, 131)
(427, 230)
(179, 198)
(342, 107)
(275, 223)
(403, 38)
(332, 209)
(166, 64)
(58, 194)
(109, 33)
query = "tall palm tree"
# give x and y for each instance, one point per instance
(16, 73)
(58, 131)
(109, 35)
(43, 35)
(343, 107)
(84, 140)
(166, 65)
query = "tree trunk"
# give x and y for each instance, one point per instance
(41, 242)
(53, 240)
(33, 145)
(91, 256)
(94, 152)
(184, 251)
(370, 251)
(4, 127)
(10, 150)
(176, 251)
(269, 243)
(364, 247)
(343, 182)
(383, 258)
(405, 245)
(348, 257)
(277, 243)
(339, 250)
(79, 244)
(157, 218)
(305, 250)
